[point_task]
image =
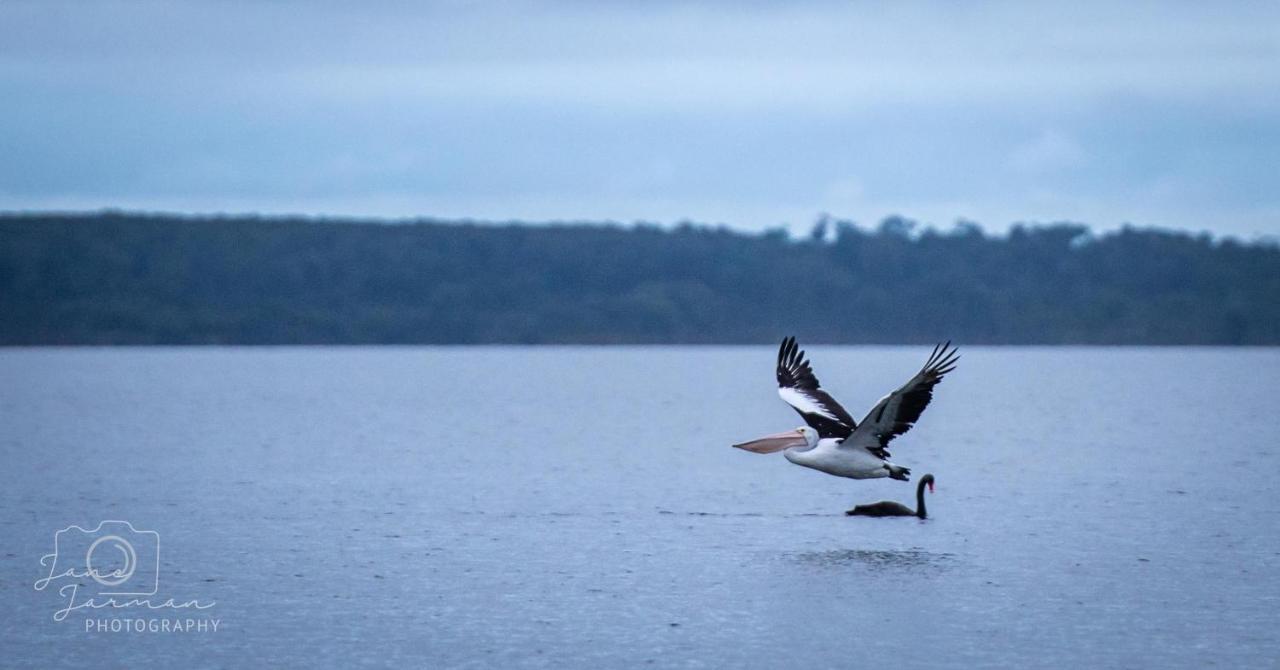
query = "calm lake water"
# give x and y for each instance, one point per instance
(581, 507)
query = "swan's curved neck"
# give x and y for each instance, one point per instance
(920, 511)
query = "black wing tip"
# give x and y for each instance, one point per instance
(787, 369)
(942, 360)
(784, 350)
(791, 361)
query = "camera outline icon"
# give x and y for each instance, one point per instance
(139, 574)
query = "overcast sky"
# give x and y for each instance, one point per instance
(750, 114)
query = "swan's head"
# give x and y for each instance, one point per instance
(927, 480)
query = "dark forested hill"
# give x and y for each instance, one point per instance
(126, 279)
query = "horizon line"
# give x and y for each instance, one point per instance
(914, 227)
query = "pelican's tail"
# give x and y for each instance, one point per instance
(898, 472)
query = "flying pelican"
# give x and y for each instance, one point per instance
(832, 442)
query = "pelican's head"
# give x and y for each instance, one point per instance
(803, 436)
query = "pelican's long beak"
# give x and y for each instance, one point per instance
(771, 443)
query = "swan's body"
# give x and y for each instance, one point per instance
(894, 508)
(833, 442)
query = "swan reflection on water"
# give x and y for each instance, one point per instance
(911, 560)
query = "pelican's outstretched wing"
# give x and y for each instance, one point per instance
(898, 411)
(799, 388)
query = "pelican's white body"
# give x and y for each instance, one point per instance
(835, 458)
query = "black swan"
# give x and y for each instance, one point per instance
(891, 508)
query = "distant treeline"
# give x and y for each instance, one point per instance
(116, 278)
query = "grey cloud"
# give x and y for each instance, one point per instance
(652, 111)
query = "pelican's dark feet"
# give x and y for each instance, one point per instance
(898, 472)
